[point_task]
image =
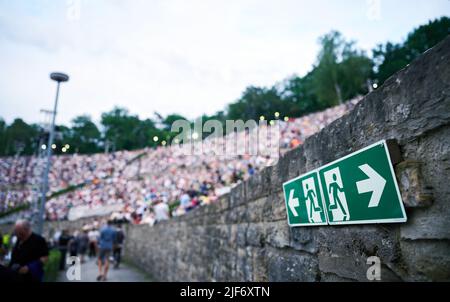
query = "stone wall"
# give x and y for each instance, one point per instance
(245, 235)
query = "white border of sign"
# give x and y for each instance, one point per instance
(373, 221)
(323, 204)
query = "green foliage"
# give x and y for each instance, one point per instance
(18, 138)
(170, 119)
(173, 206)
(342, 71)
(256, 102)
(51, 268)
(298, 92)
(84, 136)
(427, 36)
(390, 57)
(128, 132)
(2, 136)
(67, 190)
(15, 210)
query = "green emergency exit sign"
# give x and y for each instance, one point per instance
(356, 189)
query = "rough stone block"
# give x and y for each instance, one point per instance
(413, 191)
(278, 207)
(238, 195)
(278, 234)
(255, 210)
(344, 250)
(302, 239)
(291, 266)
(426, 260)
(255, 234)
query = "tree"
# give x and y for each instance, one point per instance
(342, 71)
(20, 138)
(170, 119)
(355, 73)
(299, 93)
(390, 58)
(84, 136)
(219, 116)
(2, 137)
(256, 102)
(127, 132)
(326, 83)
(427, 36)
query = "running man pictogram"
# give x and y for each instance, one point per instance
(311, 197)
(334, 190)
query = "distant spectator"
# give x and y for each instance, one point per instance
(251, 170)
(93, 239)
(161, 211)
(83, 241)
(118, 244)
(74, 245)
(185, 200)
(6, 241)
(106, 243)
(63, 244)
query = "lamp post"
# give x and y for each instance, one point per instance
(58, 77)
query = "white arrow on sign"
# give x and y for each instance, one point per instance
(293, 203)
(375, 183)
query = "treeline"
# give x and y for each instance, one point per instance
(341, 72)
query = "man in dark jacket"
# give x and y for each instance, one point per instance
(63, 245)
(29, 254)
(118, 244)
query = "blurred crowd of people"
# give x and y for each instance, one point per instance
(23, 253)
(165, 182)
(102, 242)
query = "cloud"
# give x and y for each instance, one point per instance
(189, 57)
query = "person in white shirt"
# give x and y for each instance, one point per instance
(185, 201)
(149, 218)
(93, 235)
(161, 210)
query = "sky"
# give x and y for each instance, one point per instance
(170, 56)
